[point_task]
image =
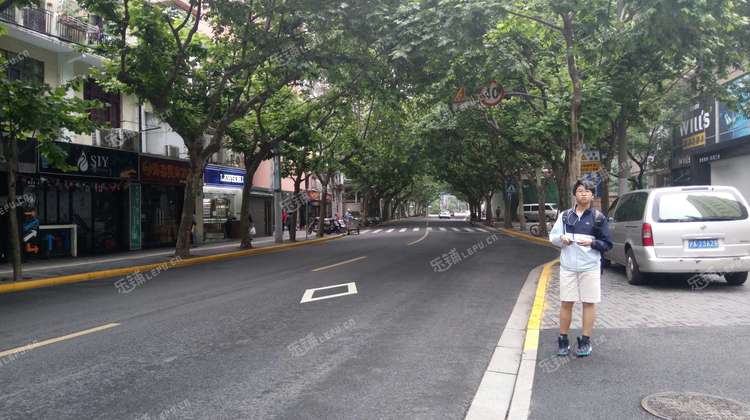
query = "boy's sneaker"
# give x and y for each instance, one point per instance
(584, 347)
(563, 346)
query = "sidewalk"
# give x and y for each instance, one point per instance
(662, 337)
(38, 269)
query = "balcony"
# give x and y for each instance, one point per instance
(66, 28)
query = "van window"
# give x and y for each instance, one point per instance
(631, 207)
(699, 206)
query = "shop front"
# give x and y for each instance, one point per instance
(162, 196)
(712, 144)
(83, 208)
(222, 201)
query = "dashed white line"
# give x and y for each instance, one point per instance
(402, 230)
(469, 229)
(456, 229)
(376, 230)
(415, 230)
(442, 229)
(389, 230)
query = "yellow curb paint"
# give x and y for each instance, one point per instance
(38, 344)
(537, 309)
(96, 275)
(339, 263)
(528, 237)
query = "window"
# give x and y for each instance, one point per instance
(631, 207)
(109, 113)
(691, 206)
(22, 67)
(620, 209)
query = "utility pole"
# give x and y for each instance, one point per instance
(278, 231)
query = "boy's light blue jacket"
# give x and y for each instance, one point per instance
(575, 257)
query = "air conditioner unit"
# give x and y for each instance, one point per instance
(117, 138)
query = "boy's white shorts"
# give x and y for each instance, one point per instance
(583, 286)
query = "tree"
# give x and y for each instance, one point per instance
(201, 86)
(34, 111)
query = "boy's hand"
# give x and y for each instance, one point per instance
(565, 240)
(585, 242)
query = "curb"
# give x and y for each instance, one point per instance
(505, 390)
(525, 236)
(521, 400)
(96, 275)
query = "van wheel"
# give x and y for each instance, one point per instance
(736, 279)
(632, 272)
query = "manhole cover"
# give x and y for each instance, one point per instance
(691, 405)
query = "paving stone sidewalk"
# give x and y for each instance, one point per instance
(666, 302)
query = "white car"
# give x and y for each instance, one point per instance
(445, 214)
(696, 229)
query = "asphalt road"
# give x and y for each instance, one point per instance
(232, 340)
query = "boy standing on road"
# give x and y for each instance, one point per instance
(583, 236)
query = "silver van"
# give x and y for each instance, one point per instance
(696, 229)
(531, 212)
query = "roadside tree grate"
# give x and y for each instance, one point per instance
(694, 406)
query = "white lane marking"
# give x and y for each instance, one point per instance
(426, 232)
(365, 231)
(442, 229)
(415, 230)
(456, 229)
(389, 230)
(469, 229)
(402, 230)
(339, 263)
(481, 230)
(377, 230)
(351, 289)
(37, 344)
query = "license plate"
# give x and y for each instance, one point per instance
(703, 243)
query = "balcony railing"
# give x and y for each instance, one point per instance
(46, 22)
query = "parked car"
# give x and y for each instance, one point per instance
(696, 229)
(445, 214)
(531, 212)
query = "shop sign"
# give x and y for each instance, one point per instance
(226, 177)
(734, 122)
(164, 171)
(590, 166)
(94, 162)
(709, 158)
(697, 127)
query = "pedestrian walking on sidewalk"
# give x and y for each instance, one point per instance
(583, 236)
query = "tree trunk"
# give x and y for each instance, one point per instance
(323, 209)
(488, 211)
(563, 190)
(293, 214)
(623, 159)
(541, 196)
(604, 186)
(193, 182)
(519, 209)
(14, 247)
(251, 166)
(575, 148)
